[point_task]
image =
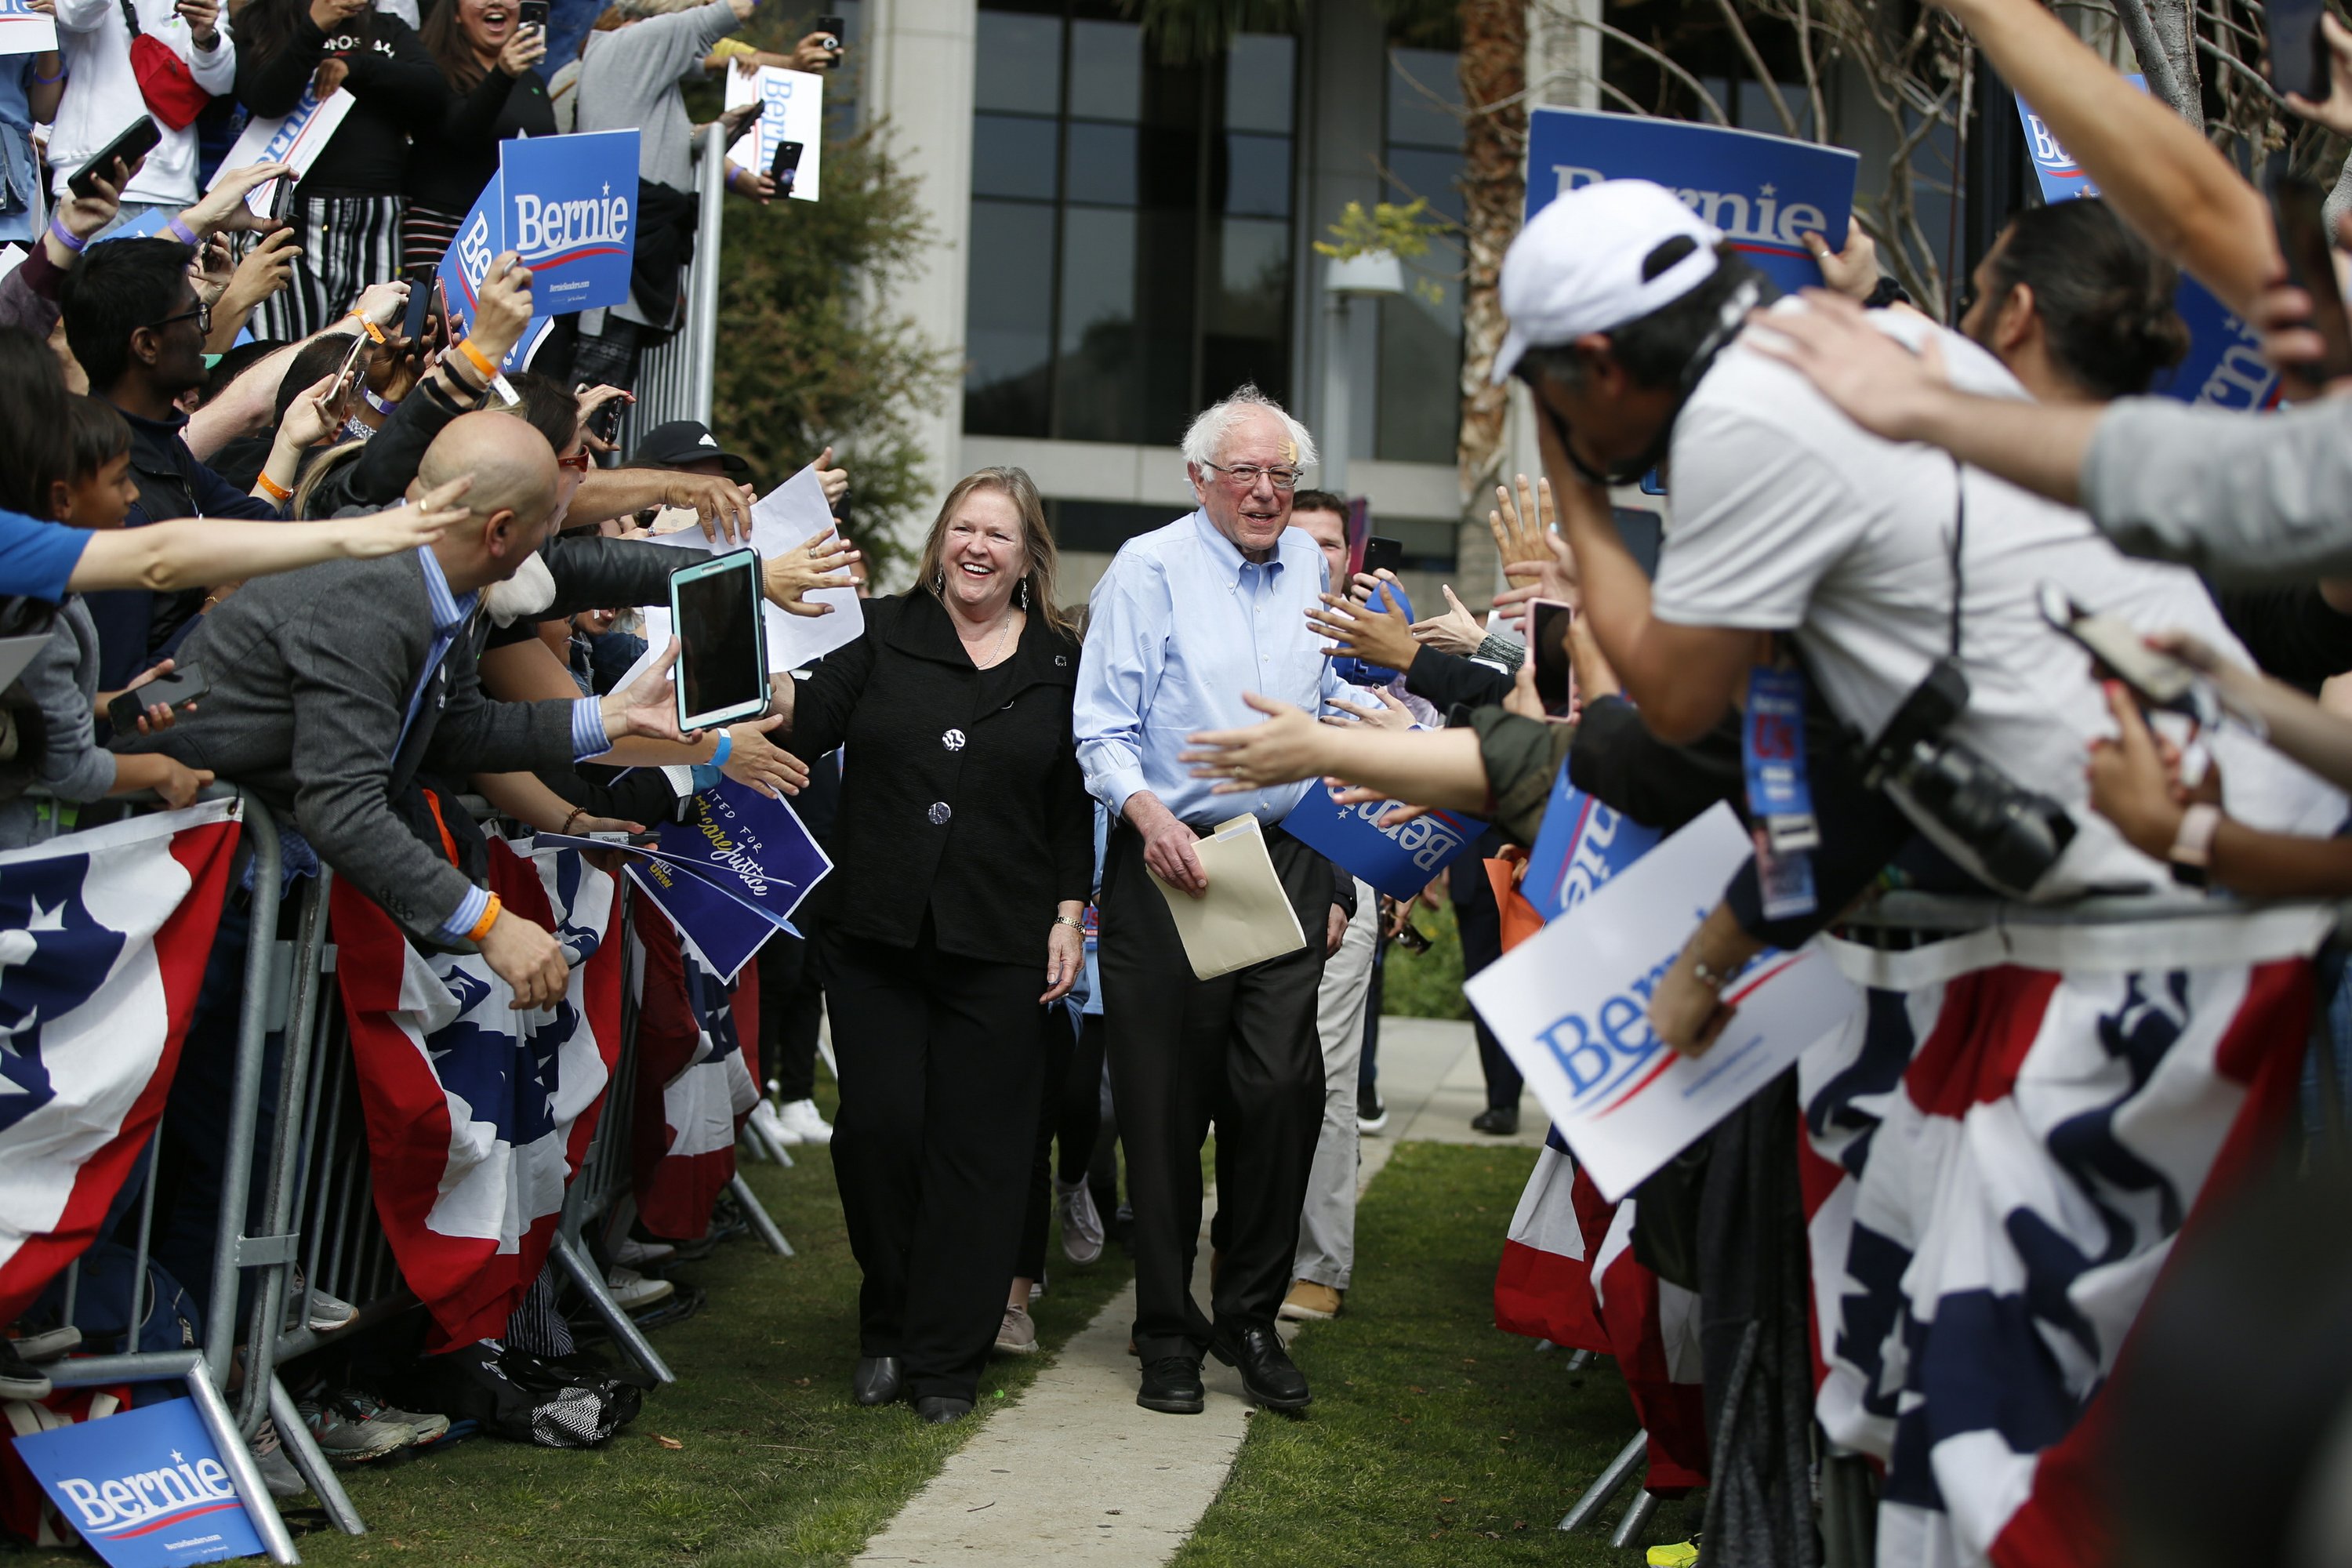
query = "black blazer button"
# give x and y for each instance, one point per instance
(940, 813)
(952, 739)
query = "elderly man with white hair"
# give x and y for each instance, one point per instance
(1188, 618)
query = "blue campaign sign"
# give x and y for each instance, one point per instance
(467, 261)
(1764, 192)
(723, 928)
(146, 1488)
(1400, 861)
(1582, 845)
(2224, 366)
(569, 208)
(750, 847)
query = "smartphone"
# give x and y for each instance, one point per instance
(420, 308)
(605, 424)
(2299, 54)
(1411, 937)
(786, 166)
(343, 372)
(281, 199)
(2296, 205)
(138, 139)
(185, 684)
(832, 27)
(440, 320)
(532, 14)
(1383, 555)
(2157, 679)
(1548, 646)
(723, 666)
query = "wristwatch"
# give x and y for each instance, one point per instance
(2192, 846)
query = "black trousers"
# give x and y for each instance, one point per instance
(792, 1004)
(1240, 1050)
(1073, 1061)
(1481, 925)
(941, 1066)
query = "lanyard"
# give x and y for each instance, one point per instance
(1780, 789)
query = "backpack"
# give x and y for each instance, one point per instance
(523, 1398)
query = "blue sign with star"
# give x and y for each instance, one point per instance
(146, 1488)
(568, 206)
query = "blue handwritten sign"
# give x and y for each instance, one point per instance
(1581, 846)
(2224, 367)
(146, 1488)
(567, 207)
(1400, 861)
(1764, 192)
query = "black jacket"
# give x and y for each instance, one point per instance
(960, 791)
(396, 87)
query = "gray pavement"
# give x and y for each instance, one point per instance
(1074, 1472)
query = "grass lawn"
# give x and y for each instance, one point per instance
(1435, 1438)
(756, 1456)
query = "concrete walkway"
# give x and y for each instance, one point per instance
(1074, 1472)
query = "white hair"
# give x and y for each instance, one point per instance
(1204, 440)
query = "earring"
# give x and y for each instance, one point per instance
(1024, 593)
(939, 583)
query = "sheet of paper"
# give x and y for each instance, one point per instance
(792, 109)
(780, 521)
(1571, 1007)
(1244, 918)
(296, 137)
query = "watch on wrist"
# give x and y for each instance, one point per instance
(1887, 292)
(2192, 845)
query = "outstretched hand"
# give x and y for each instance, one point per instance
(821, 561)
(1877, 383)
(1286, 748)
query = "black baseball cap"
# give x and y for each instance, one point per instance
(683, 441)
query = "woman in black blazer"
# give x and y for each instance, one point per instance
(963, 855)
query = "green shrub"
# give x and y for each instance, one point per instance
(1427, 984)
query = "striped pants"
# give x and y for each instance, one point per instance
(348, 243)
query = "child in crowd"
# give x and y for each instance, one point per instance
(63, 677)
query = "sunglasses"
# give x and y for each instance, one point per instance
(580, 462)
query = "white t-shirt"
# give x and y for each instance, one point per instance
(1786, 516)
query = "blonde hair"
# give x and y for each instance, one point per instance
(1015, 486)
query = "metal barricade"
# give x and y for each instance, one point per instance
(674, 377)
(207, 1369)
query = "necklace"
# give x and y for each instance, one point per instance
(995, 649)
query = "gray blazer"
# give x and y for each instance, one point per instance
(309, 674)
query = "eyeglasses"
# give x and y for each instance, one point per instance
(202, 315)
(1246, 475)
(580, 462)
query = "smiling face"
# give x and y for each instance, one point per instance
(982, 555)
(1253, 518)
(488, 23)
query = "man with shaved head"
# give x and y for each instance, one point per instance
(332, 687)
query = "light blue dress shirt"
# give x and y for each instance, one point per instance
(1179, 626)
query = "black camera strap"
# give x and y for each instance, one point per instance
(1960, 539)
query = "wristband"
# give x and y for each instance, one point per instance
(577, 813)
(2192, 845)
(52, 80)
(65, 237)
(178, 229)
(490, 918)
(367, 326)
(384, 405)
(273, 490)
(466, 346)
(726, 745)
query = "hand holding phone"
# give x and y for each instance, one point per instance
(172, 688)
(2157, 679)
(1547, 622)
(832, 27)
(784, 167)
(2298, 53)
(136, 141)
(2296, 206)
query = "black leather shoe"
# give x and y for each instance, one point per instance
(878, 1380)
(1502, 1121)
(1267, 1371)
(1171, 1386)
(937, 1409)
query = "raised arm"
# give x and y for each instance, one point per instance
(194, 553)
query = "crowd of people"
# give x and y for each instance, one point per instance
(409, 578)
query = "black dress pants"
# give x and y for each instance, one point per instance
(1240, 1050)
(792, 1005)
(941, 1068)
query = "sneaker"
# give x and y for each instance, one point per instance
(430, 1427)
(1310, 1304)
(632, 1291)
(772, 1124)
(1036, 1288)
(19, 1379)
(1371, 1114)
(278, 1472)
(636, 1254)
(1082, 1226)
(322, 1312)
(800, 1117)
(1018, 1333)
(1502, 1121)
(347, 1440)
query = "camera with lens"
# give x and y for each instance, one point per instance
(2014, 835)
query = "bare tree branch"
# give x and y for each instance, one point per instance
(1763, 73)
(2159, 33)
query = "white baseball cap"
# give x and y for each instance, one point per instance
(1576, 267)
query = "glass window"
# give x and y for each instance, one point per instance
(1419, 405)
(1131, 250)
